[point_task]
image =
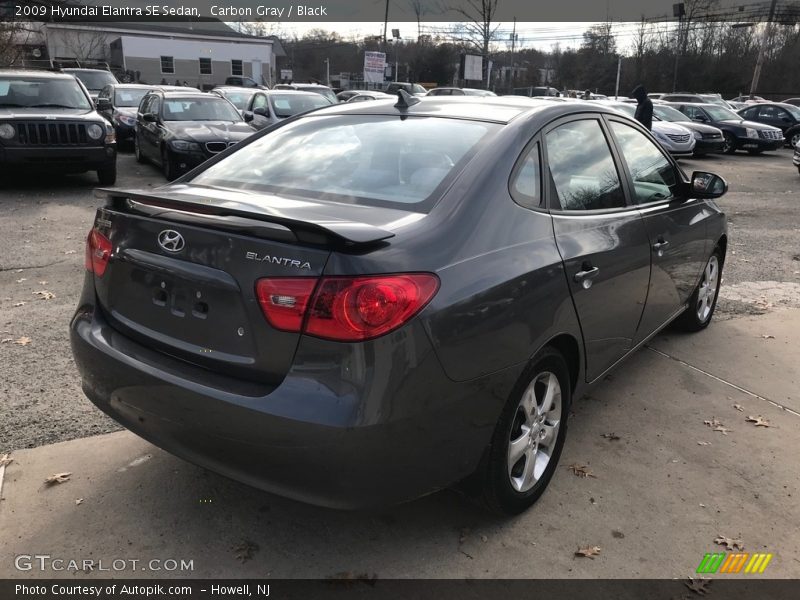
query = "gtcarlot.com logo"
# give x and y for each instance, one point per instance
(46, 562)
(734, 562)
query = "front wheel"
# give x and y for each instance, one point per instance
(529, 436)
(729, 147)
(107, 175)
(701, 307)
(794, 139)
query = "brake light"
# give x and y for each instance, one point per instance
(345, 309)
(98, 252)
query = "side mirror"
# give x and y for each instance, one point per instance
(149, 117)
(707, 185)
(700, 119)
(247, 115)
(103, 104)
(260, 110)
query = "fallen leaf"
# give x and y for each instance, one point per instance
(759, 421)
(245, 550)
(57, 478)
(6, 340)
(44, 295)
(713, 422)
(702, 505)
(703, 443)
(581, 471)
(592, 500)
(610, 436)
(42, 283)
(722, 430)
(18, 304)
(23, 341)
(738, 407)
(768, 337)
(698, 586)
(78, 501)
(588, 551)
(21, 280)
(5, 460)
(729, 543)
(69, 252)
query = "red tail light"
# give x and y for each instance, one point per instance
(345, 309)
(98, 251)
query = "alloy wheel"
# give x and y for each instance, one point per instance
(534, 431)
(795, 139)
(708, 289)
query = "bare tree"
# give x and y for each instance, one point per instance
(479, 29)
(14, 35)
(419, 8)
(86, 44)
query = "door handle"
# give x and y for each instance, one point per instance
(586, 275)
(660, 245)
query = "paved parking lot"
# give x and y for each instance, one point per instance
(660, 494)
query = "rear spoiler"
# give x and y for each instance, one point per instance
(306, 226)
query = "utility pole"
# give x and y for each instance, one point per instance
(619, 68)
(678, 10)
(385, 24)
(765, 35)
(513, 48)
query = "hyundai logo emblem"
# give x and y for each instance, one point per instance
(171, 241)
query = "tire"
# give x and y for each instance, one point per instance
(107, 175)
(697, 316)
(794, 139)
(137, 152)
(170, 171)
(510, 488)
(730, 143)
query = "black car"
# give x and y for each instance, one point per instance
(48, 124)
(785, 117)
(708, 139)
(178, 130)
(118, 103)
(94, 79)
(737, 133)
(352, 322)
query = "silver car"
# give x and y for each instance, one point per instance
(268, 107)
(675, 139)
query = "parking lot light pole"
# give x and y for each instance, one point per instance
(328, 72)
(763, 50)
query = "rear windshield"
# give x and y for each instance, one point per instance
(42, 92)
(239, 98)
(95, 80)
(287, 105)
(348, 158)
(199, 109)
(128, 96)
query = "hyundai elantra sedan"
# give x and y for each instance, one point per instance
(352, 323)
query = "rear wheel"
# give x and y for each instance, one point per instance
(701, 307)
(729, 146)
(794, 139)
(529, 437)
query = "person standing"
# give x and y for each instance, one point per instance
(644, 107)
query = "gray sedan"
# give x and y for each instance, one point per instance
(373, 301)
(268, 107)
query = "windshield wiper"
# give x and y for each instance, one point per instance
(53, 105)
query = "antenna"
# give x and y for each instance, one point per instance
(405, 100)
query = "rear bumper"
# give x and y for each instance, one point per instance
(75, 159)
(377, 426)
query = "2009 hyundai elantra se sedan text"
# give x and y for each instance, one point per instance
(371, 302)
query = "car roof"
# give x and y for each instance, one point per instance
(498, 109)
(73, 69)
(234, 88)
(36, 73)
(135, 86)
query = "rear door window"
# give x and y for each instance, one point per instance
(582, 168)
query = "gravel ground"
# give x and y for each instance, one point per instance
(45, 220)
